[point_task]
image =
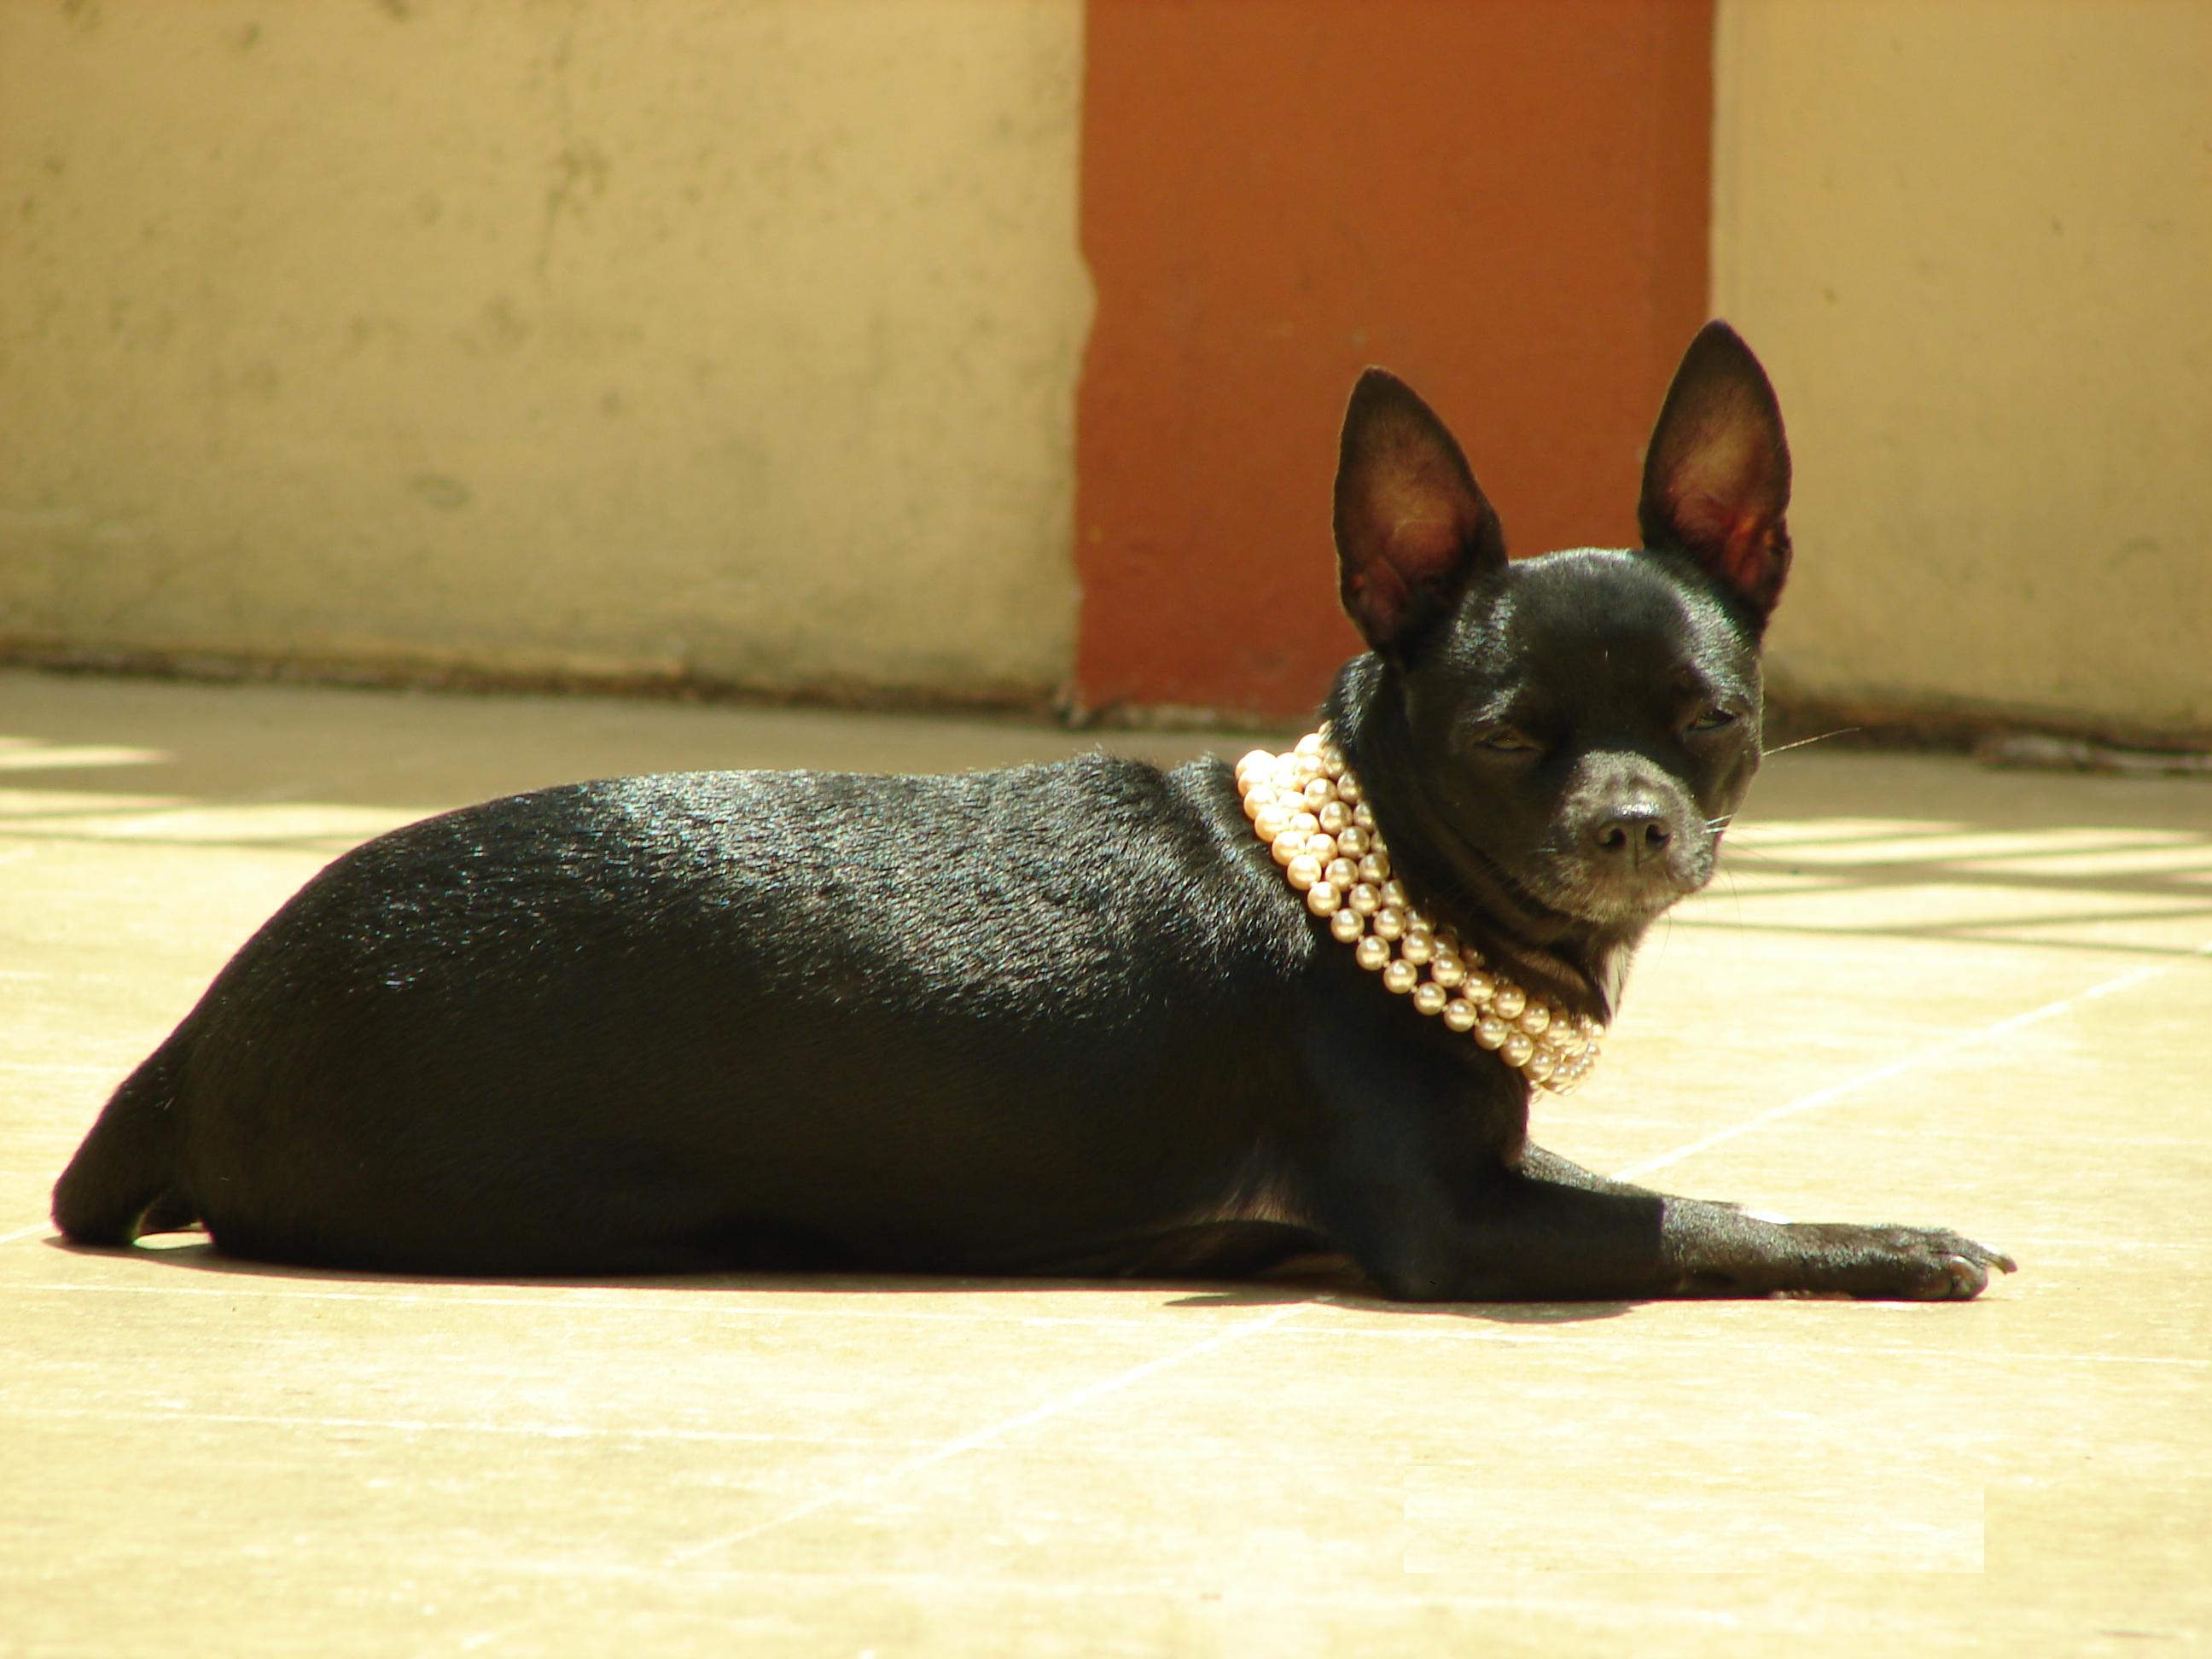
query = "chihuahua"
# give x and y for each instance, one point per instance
(1076, 1019)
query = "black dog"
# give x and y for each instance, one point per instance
(1071, 1019)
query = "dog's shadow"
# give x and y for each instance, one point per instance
(1319, 1281)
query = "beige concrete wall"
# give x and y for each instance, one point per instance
(1973, 242)
(613, 336)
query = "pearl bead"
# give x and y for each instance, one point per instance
(1308, 807)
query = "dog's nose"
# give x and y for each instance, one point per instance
(1631, 832)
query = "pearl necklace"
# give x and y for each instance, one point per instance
(1313, 814)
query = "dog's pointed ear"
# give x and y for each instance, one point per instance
(1412, 528)
(1716, 478)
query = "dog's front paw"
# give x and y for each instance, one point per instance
(1904, 1264)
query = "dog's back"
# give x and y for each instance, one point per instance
(496, 1040)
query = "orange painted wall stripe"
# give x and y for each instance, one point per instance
(1503, 200)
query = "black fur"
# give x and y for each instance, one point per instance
(1066, 1018)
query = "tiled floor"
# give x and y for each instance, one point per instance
(1922, 991)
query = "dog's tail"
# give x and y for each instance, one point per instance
(123, 1181)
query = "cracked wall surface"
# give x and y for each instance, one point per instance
(734, 342)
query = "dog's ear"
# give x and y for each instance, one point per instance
(1717, 479)
(1411, 526)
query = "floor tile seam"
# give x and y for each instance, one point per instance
(1802, 835)
(169, 804)
(668, 1300)
(1408, 1326)
(417, 1425)
(2124, 870)
(989, 1433)
(1410, 1594)
(1806, 1344)
(1394, 1330)
(2082, 901)
(1938, 1134)
(1600, 1597)
(311, 845)
(1913, 1060)
(1965, 914)
(2122, 1246)
(1971, 934)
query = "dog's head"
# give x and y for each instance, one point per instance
(1554, 745)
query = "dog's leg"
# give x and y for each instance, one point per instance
(1729, 1250)
(1720, 1251)
(1541, 1165)
(1512, 1237)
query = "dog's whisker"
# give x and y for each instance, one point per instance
(1818, 737)
(1738, 850)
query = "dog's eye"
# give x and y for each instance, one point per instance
(1506, 740)
(1714, 719)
